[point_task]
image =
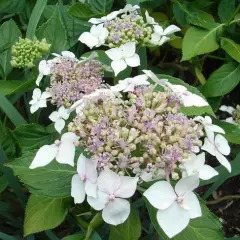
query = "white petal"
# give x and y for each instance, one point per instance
(217, 129)
(91, 189)
(161, 195)
(128, 49)
(44, 156)
(68, 54)
(133, 61)
(69, 136)
(155, 38)
(36, 93)
(209, 133)
(158, 29)
(208, 147)
(227, 109)
(171, 29)
(59, 125)
(91, 172)
(108, 181)
(77, 189)
(54, 116)
(81, 165)
(88, 39)
(119, 87)
(63, 112)
(221, 144)
(223, 160)
(96, 20)
(230, 120)
(187, 184)
(99, 202)
(42, 103)
(163, 40)
(66, 153)
(46, 95)
(154, 77)
(114, 54)
(173, 219)
(199, 160)
(116, 211)
(129, 88)
(191, 203)
(118, 66)
(127, 188)
(39, 79)
(206, 172)
(34, 107)
(150, 20)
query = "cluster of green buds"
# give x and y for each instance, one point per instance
(144, 132)
(128, 28)
(236, 114)
(26, 51)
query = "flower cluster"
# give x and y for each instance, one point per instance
(26, 51)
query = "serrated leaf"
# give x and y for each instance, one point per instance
(81, 11)
(9, 34)
(54, 32)
(189, 111)
(232, 48)
(101, 6)
(129, 230)
(207, 227)
(199, 41)
(226, 9)
(222, 81)
(34, 136)
(53, 180)
(44, 213)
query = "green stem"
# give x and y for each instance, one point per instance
(231, 21)
(216, 57)
(223, 199)
(95, 223)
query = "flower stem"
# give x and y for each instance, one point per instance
(223, 199)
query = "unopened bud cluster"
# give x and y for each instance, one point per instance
(128, 28)
(236, 114)
(26, 51)
(144, 132)
(71, 80)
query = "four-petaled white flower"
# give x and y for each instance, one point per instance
(188, 99)
(218, 147)
(96, 37)
(175, 208)
(161, 36)
(230, 110)
(123, 56)
(63, 151)
(58, 117)
(196, 164)
(44, 69)
(149, 19)
(39, 100)
(150, 74)
(112, 189)
(129, 84)
(85, 182)
(208, 126)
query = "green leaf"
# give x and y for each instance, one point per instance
(101, 6)
(8, 87)
(54, 31)
(15, 117)
(223, 176)
(222, 81)
(34, 136)
(206, 227)
(232, 48)
(12, 6)
(7, 237)
(9, 34)
(226, 9)
(129, 230)
(189, 111)
(44, 213)
(81, 11)
(181, 13)
(3, 182)
(74, 237)
(53, 180)
(35, 17)
(199, 41)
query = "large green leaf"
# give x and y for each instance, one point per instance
(53, 180)
(54, 31)
(226, 9)
(232, 48)
(129, 230)
(190, 111)
(81, 11)
(44, 213)
(3, 181)
(206, 227)
(101, 6)
(181, 12)
(198, 41)
(12, 6)
(222, 81)
(33, 136)
(9, 34)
